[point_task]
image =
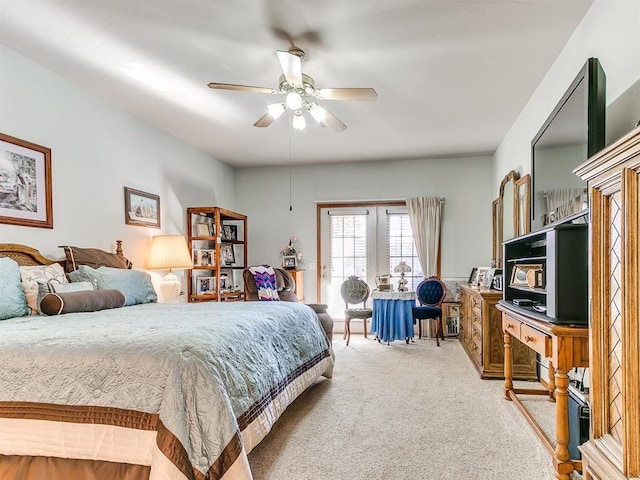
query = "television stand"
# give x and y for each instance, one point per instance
(566, 347)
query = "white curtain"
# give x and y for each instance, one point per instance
(424, 215)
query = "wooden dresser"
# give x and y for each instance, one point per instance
(482, 337)
(613, 449)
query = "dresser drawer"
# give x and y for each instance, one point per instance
(535, 340)
(511, 326)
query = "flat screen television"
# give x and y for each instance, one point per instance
(571, 134)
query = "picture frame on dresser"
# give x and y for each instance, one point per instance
(141, 208)
(25, 183)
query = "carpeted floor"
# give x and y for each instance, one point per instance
(402, 412)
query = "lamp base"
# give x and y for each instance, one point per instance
(170, 288)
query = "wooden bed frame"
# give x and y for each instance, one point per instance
(25, 255)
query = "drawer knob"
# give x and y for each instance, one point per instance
(527, 338)
(509, 325)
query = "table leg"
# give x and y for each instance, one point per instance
(551, 375)
(508, 366)
(562, 460)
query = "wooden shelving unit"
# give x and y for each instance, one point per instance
(217, 239)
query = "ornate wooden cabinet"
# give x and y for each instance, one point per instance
(613, 449)
(482, 337)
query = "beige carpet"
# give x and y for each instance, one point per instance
(402, 412)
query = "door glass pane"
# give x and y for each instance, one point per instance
(348, 255)
(402, 248)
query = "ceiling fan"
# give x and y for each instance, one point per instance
(300, 94)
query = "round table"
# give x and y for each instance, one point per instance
(392, 317)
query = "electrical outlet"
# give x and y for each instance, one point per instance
(311, 266)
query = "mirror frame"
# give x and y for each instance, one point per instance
(523, 205)
(498, 222)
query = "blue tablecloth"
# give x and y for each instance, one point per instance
(392, 318)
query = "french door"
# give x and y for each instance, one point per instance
(365, 240)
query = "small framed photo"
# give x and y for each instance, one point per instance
(491, 275)
(225, 285)
(204, 257)
(205, 285)
(473, 275)
(229, 232)
(25, 183)
(519, 273)
(203, 229)
(481, 277)
(141, 208)
(227, 254)
(289, 262)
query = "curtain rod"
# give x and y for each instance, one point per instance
(442, 200)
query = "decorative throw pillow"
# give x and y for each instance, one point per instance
(55, 287)
(265, 278)
(81, 301)
(92, 257)
(13, 302)
(135, 284)
(31, 275)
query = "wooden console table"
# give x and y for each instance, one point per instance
(566, 347)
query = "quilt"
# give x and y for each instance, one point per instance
(183, 391)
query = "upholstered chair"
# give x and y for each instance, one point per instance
(355, 291)
(286, 287)
(430, 292)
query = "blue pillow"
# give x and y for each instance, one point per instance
(135, 284)
(13, 302)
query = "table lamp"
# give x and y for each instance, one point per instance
(169, 252)
(402, 268)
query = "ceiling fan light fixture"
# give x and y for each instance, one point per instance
(317, 112)
(276, 109)
(293, 100)
(298, 122)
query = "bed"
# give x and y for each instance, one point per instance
(150, 391)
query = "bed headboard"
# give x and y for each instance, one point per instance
(24, 255)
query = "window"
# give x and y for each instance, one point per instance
(366, 241)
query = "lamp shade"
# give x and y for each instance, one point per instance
(402, 267)
(169, 252)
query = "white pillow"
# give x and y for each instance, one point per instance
(31, 275)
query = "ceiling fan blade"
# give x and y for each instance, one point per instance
(244, 88)
(326, 118)
(264, 121)
(366, 94)
(291, 67)
(331, 121)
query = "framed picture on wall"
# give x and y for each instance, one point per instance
(25, 183)
(141, 208)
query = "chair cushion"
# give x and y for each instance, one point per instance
(358, 312)
(425, 311)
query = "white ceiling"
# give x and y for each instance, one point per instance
(451, 75)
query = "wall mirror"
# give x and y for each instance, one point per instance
(523, 205)
(505, 223)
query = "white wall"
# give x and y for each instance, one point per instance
(97, 149)
(609, 31)
(465, 183)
